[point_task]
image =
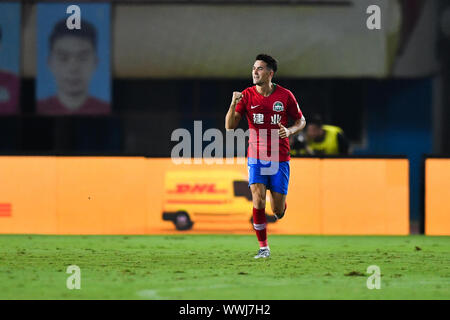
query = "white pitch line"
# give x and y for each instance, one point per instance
(150, 294)
(154, 294)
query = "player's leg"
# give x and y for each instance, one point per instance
(278, 203)
(257, 183)
(259, 218)
(279, 183)
(258, 195)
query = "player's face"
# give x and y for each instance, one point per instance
(72, 62)
(260, 73)
(313, 132)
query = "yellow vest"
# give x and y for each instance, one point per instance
(329, 145)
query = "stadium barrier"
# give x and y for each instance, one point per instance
(138, 195)
(437, 196)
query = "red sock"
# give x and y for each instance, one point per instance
(259, 224)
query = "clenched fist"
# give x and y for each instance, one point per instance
(237, 96)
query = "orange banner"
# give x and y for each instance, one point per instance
(134, 195)
(437, 197)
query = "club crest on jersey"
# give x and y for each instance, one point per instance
(278, 106)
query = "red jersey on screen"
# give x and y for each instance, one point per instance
(9, 92)
(52, 106)
(265, 113)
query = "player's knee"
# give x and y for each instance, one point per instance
(259, 203)
(259, 200)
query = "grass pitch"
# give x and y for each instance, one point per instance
(223, 267)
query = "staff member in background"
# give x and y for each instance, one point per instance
(320, 139)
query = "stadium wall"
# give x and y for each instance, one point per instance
(399, 121)
(437, 197)
(181, 40)
(128, 195)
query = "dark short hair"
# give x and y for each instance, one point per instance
(271, 62)
(316, 119)
(87, 32)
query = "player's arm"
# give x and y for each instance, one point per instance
(286, 132)
(293, 111)
(233, 117)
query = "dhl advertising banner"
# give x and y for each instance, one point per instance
(137, 195)
(437, 197)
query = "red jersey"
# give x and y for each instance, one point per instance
(265, 113)
(92, 106)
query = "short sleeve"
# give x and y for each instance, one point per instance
(293, 109)
(241, 107)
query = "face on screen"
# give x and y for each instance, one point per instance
(72, 61)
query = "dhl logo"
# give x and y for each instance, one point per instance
(197, 188)
(5, 209)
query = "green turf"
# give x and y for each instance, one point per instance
(223, 267)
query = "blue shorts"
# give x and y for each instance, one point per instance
(275, 177)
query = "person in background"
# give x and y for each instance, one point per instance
(320, 139)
